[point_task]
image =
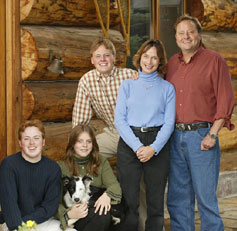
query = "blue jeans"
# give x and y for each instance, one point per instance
(193, 174)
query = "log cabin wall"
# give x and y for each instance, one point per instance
(62, 29)
(219, 22)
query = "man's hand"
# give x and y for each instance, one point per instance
(207, 143)
(145, 153)
(134, 77)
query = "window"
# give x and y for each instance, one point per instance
(170, 10)
(141, 24)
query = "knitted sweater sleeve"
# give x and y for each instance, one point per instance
(9, 196)
(110, 182)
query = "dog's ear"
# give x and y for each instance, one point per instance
(86, 181)
(65, 180)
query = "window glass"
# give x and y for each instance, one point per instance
(140, 26)
(170, 10)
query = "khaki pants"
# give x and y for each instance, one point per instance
(108, 142)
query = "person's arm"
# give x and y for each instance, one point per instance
(209, 140)
(113, 192)
(111, 183)
(169, 120)
(9, 196)
(224, 94)
(82, 110)
(225, 102)
(49, 205)
(120, 118)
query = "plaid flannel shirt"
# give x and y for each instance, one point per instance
(100, 93)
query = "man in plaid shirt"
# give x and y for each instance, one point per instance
(98, 89)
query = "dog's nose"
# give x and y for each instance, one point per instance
(77, 200)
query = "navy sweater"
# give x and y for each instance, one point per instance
(28, 191)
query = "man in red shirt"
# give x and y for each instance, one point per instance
(204, 104)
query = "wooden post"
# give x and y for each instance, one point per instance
(155, 19)
(13, 74)
(2, 80)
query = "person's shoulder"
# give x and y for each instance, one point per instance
(174, 57)
(167, 84)
(210, 53)
(61, 164)
(88, 75)
(50, 162)
(127, 71)
(102, 158)
(103, 161)
(11, 159)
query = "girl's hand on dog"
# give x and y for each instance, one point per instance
(103, 203)
(78, 211)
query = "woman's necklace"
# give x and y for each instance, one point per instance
(147, 86)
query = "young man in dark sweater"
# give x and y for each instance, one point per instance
(29, 182)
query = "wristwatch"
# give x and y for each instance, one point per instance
(213, 136)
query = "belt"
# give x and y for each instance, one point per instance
(194, 126)
(146, 129)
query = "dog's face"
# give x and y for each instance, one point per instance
(77, 189)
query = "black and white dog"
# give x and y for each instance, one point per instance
(76, 190)
(80, 190)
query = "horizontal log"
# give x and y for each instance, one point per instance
(228, 160)
(218, 15)
(234, 85)
(67, 13)
(49, 101)
(57, 137)
(218, 41)
(228, 139)
(70, 43)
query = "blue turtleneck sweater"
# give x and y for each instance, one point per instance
(148, 101)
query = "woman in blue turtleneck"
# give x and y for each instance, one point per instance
(144, 118)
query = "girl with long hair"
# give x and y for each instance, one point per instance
(82, 159)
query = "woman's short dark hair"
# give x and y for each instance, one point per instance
(161, 53)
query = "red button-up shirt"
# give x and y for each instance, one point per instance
(203, 88)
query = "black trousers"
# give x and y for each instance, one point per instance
(93, 221)
(130, 170)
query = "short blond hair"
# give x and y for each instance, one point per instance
(108, 44)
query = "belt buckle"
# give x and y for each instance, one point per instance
(143, 129)
(180, 126)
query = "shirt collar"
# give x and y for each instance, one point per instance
(180, 55)
(111, 75)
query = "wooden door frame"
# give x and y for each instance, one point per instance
(10, 76)
(2, 79)
(156, 17)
